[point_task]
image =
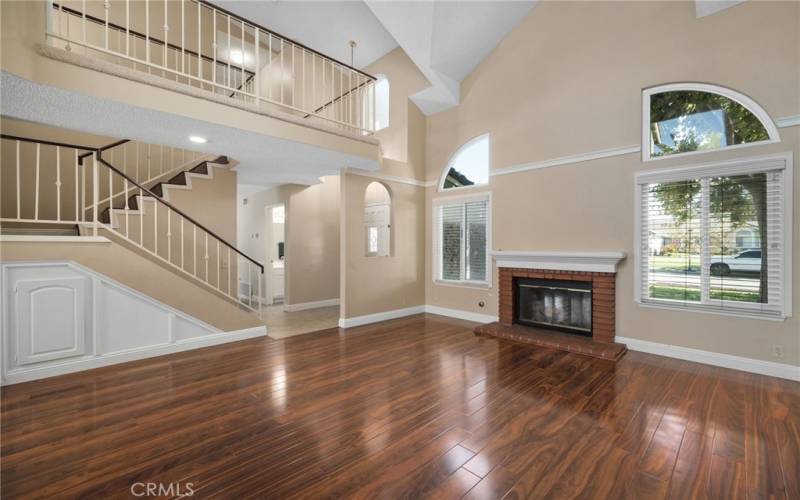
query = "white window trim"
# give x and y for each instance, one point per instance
(727, 167)
(750, 104)
(452, 159)
(436, 265)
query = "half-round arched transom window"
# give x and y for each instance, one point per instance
(693, 118)
(469, 166)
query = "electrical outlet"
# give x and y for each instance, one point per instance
(777, 351)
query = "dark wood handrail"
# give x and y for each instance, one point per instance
(285, 38)
(176, 210)
(335, 100)
(48, 143)
(250, 74)
(157, 198)
(209, 5)
(109, 146)
(153, 39)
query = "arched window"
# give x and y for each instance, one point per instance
(469, 166)
(381, 103)
(685, 118)
(377, 220)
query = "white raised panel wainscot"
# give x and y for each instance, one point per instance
(60, 317)
(50, 319)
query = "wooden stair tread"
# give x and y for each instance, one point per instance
(541, 337)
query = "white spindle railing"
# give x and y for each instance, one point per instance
(109, 199)
(201, 45)
(163, 162)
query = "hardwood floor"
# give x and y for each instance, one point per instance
(412, 408)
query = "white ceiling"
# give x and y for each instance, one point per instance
(263, 160)
(325, 26)
(446, 39)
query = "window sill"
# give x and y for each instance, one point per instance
(717, 312)
(464, 284)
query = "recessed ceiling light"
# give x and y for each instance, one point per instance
(236, 56)
(197, 139)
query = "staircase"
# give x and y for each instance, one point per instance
(182, 178)
(121, 191)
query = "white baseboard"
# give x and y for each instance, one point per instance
(408, 311)
(457, 313)
(751, 365)
(382, 316)
(310, 305)
(77, 365)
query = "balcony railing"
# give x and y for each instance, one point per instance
(199, 45)
(55, 184)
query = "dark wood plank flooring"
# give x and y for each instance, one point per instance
(412, 408)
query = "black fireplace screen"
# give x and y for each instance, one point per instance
(557, 304)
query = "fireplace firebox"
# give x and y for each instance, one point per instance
(556, 304)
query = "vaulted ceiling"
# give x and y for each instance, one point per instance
(445, 39)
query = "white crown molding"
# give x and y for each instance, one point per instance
(772, 369)
(310, 305)
(788, 121)
(392, 178)
(567, 160)
(600, 262)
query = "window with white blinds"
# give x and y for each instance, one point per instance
(462, 250)
(715, 237)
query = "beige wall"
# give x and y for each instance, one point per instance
(403, 141)
(372, 285)
(311, 235)
(378, 284)
(211, 202)
(375, 193)
(568, 81)
(312, 242)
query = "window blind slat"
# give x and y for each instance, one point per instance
(462, 241)
(701, 242)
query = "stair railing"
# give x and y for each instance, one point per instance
(149, 163)
(47, 182)
(197, 44)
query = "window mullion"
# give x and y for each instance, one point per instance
(705, 241)
(463, 246)
(440, 243)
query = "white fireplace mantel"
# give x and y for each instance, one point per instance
(599, 262)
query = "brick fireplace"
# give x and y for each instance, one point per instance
(564, 300)
(603, 291)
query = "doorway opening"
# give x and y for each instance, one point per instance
(275, 252)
